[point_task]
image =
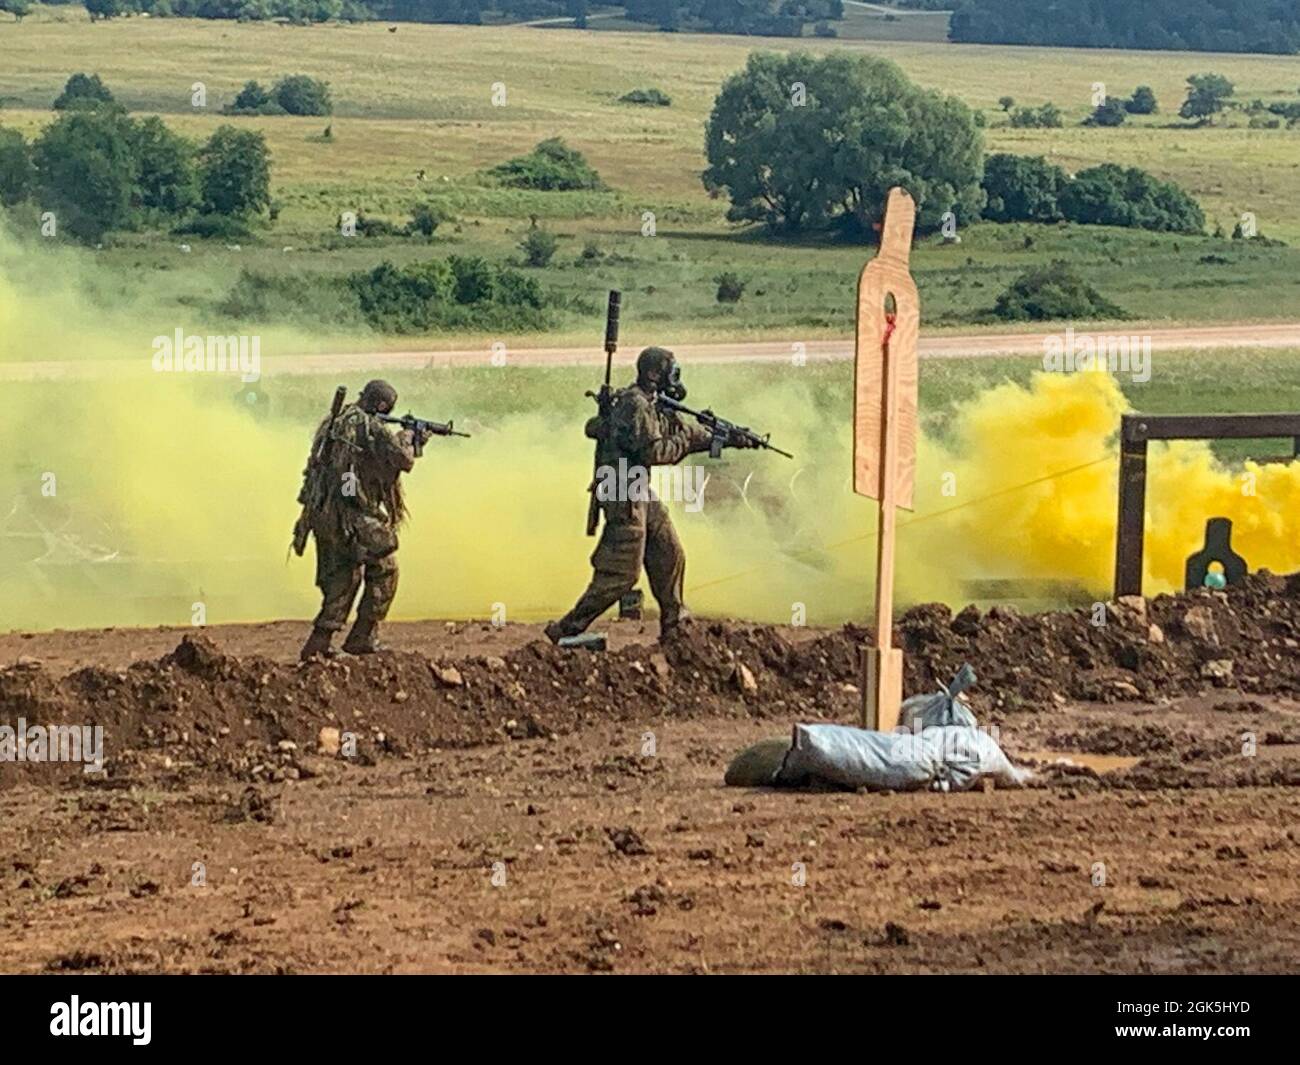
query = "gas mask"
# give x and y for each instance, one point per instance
(671, 385)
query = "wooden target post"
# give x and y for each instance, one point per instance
(884, 432)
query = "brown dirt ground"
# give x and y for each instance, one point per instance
(502, 813)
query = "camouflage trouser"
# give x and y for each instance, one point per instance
(339, 576)
(635, 533)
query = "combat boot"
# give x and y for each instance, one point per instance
(317, 645)
(673, 627)
(362, 640)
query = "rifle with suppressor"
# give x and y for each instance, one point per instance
(420, 429)
(604, 402)
(724, 432)
(313, 487)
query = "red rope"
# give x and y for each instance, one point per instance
(891, 320)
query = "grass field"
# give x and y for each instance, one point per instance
(421, 99)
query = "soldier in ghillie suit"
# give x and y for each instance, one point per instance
(638, 530)
(352, 504)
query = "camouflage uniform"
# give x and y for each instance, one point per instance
(356, 526)
(637, 531)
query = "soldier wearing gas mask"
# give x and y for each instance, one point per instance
(638, 531)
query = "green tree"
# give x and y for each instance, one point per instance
(300, 94)
(17, 8)
(800, 142)
(83, 90)
(16, 170)
(167, 179)
(235, 173)
(1206, 95)
(87, 170)
(1006, 102)
(1142, 102)
(1022, 188)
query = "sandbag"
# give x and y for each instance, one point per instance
(940, 708)
(942, 758)
(756, 766)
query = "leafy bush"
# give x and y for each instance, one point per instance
(1289, 110)
(1112, 195)
(646, 97)
(266, 297)
(1048, 293)
(1022, 188)
(550, 166)
(1142, 102)
(1046, 117)
(300, 94)
(368, 226)
(254, 99)
(214, 227)
(730, 287)
(425, 219)
(1110, 113)
(83, 90)
(538, 247)
(404, 300)
(456, 292)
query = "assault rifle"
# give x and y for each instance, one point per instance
(420, 429)
(312, 494)
(724, 432)
(604, 401)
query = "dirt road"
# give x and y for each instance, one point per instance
(940, 346)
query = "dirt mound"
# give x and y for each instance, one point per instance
(201, 709)
(1244, 639)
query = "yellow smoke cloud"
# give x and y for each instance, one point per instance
(170, 503)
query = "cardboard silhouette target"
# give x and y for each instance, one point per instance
(884, 432)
